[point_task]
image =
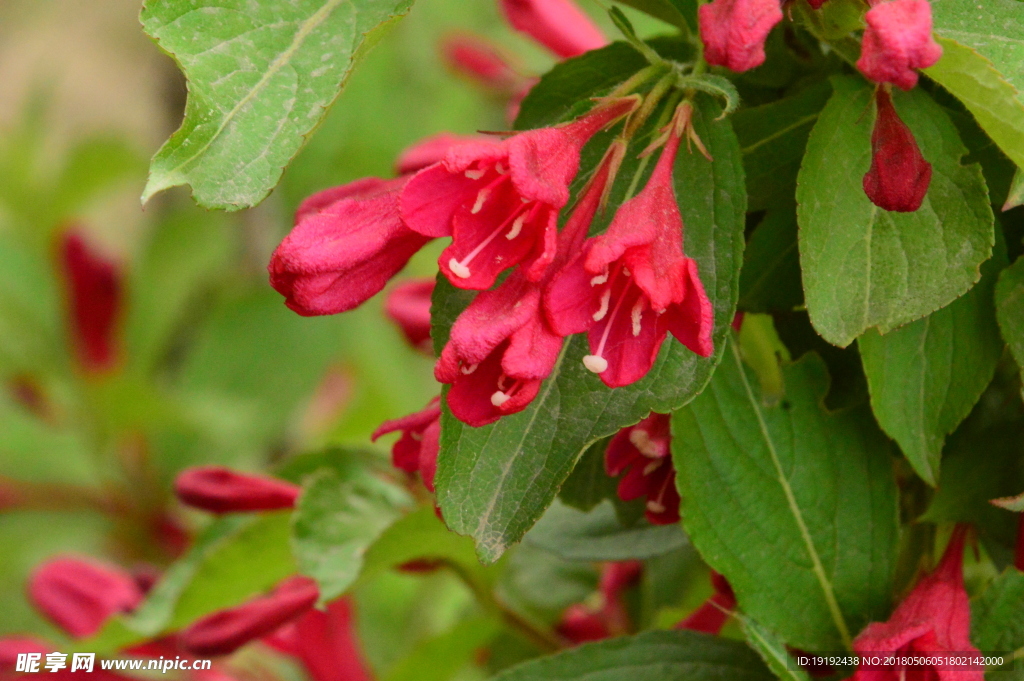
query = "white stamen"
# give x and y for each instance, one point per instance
(653, 466)
(655, 507)
(605, 299)
(524, 199)
(637, 313)
(599, 279)
(595, 363)
(418, 437)
(641, 439)
(500, 168)
(625, 270)
(480, 198)
(458, 269)
(467, 370)
(517, 227)
(499, 398)
(475, 174)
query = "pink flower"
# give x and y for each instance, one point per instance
(225, 631)
(712, 615)
(501, 348)
(899, 176)
(95, 301)
(583, 622)
(347, 243)
(326, 643)
(221, 490)
(559, 25)
(79, 595)
(897, 41)
(408, 305)
(642, 453)
(734, 31)
(934, 618)
(480, 60)
(632, 285)
(499, 200)
(416, 450)
(429, 151)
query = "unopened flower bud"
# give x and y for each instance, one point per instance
(95, 299)
(221, 490)
(559, 25)
(80, 595)
(899, 176)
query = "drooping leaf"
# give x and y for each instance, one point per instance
(772, 139)
(261, 76)
(997, 617)
(995, 103)
(792, 496)
(652, 656)
(336, 520)
(772, 650)
(599, 535)
(770, 279)
(865, 267)
(925, 377)
(493, 483)
(997, 32)
(1010, 308)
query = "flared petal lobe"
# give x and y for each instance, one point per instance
(416, 450)
(734, 31)
(897, 42)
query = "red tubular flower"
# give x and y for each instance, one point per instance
(559, 25)
(632, 285)
(734, 31)
(502, 347)
(429, 151)
(225, 631)
(416, 450)
(95, 300)
(347, 243)
(712, 615)
(934, 618)
(480, 60)
(581, 623)
(221, 490)
(642, 453)
(499, 200)
(899, 176)
(898, 41)
(326, 643)
(408, 305)
(80, 595)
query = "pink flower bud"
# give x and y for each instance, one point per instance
(417, 449)
(95, 299)
(734, 31)
(935, 616)
(221, 490)
(897, 41)
(79, 595)
(480, 60)
(899, 176)
(559, 25)
(579, 625)
(225, 631)
(408, 305)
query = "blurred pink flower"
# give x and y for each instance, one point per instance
(222, 490)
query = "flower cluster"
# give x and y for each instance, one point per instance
(897, 42)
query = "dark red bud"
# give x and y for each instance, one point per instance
(225, 631)
(80, 595)
(221, 490)
(94, 296)
(899, 176)
(580, 625)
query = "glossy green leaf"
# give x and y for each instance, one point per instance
(493, 483)
(925, 377)
(772, 650)
(997, 617)
(773, 138)
(995, 103)
(261, 76)
(1010, 308)
(336, 520)
(652, 656)
(599, 535)
(792, 496)
(865, 267)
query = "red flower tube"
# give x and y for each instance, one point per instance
(222, 490)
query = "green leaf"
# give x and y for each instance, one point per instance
(261, 75)
(679, 13)
(772, 650)
(336, 520)
(866, 267)
(997, 618)
(792, 496)
(771, 265)
(651, 656)
(925, 377)
(773, 138)
(997, 32)
(995, 103)
(493, 483)
(1010, 308)
(440, 658)
(598, 535)
(588, 484)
